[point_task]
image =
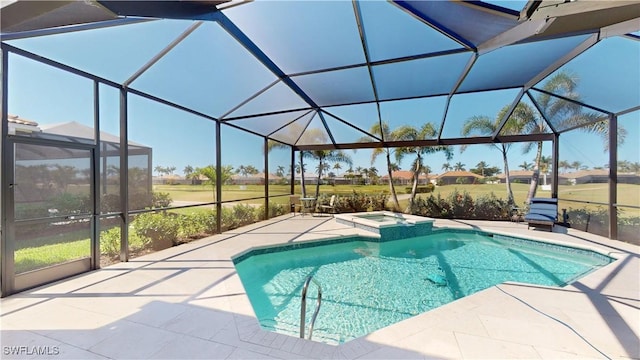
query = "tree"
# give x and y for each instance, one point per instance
(446, 166)
(484, 125)
(576, 165)
(209, 172)
(247, 170)
(384, 132)
(564, 164)
(565, 114)
(525, 166)
(160, 170)
(372, 174)
(409, 133)
(324, 156)
(459, 166)
(480, 167)
(299, 168)
(280, 171)
(63, 175)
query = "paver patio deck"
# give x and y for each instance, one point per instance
(188, 302)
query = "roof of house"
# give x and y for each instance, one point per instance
(516, 173)
(459, 174)
(585, 173)
(404, 174)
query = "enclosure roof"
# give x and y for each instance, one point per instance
(328, 74)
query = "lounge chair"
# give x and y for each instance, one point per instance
(543, 212)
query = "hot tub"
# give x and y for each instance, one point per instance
(389, 225)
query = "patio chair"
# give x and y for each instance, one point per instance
(295, 204)
(543, 212)
(331, 208)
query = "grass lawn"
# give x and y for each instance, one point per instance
(37, 257)
(628, 194)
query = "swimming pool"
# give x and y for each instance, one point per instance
(368, 284)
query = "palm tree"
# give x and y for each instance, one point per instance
(383, 131)
(566, 113)
(280, 171)
(564, 164)
(459, 166)
(446, 166)
(576, 165)
(160, 170)
(189, 173)
(299, 167)
(409, 133)
(210, 173)
(372, 174)
(484, 125)
(525, 166)
(481, 166)
(324, 156)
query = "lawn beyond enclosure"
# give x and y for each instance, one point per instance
(595, 193)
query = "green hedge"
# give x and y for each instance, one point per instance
(422, 189)
(163, 229)
(461, 205)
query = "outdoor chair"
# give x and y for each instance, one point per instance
(543, 212)
(331, 208)
(295, 204)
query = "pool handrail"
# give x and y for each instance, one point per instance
(303, 306)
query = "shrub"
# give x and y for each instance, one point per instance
(188, 228)
(140, 200)
(160, 200)
(239, 215)
(461, 205)
(359, 202)
(244, 214)
(68, 203)
(274, 210)
(110, 203)
(110, 241)
(489, 207)
(432, 206)
(422, 189)
(161, 228)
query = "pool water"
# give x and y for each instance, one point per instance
(368, 285)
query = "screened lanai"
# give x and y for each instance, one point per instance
(216, 87)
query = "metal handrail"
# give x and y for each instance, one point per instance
(303, 306)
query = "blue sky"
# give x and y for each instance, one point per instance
(179, 139)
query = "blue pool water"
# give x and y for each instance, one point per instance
(368, 285)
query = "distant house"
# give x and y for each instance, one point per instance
(458, 177)
(597, 176)
(404, 177)
(309, 178)
(517, 176)
(256, 179)
(586, 176)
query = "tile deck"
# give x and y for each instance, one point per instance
(187, 302)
